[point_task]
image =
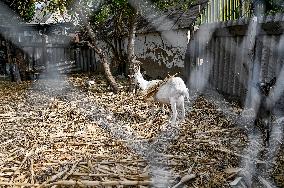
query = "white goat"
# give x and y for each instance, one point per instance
(172, 92)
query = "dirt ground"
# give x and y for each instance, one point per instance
(61, 132)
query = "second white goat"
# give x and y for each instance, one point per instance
(173, 92)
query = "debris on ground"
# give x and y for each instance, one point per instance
(74, 131)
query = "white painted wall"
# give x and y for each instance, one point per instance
(167, 48)
(160, 53)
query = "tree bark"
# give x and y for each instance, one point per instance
(101, 54)
(130, 49)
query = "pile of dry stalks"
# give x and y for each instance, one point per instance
(57, 133)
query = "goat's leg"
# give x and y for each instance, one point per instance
(267, 137)
(182, 111)
(268, 130)
(162, 109)
(174, 111)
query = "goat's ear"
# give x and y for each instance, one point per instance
(272, 82)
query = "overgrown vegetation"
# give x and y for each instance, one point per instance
(25, 8)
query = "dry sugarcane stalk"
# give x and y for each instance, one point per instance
(216, 130)
(72, 170)
(7, 174)
(23, 176)
(7, 142)
(185, 179)
(236, 181)
(19, 184)
(28, 154)
(110, 175)
(32, 171)
(90, 165)
(56, 176)
(103, 183)
(95, 175)
(265, 182)
(192, 127)
(239, 155)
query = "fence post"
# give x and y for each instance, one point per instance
(44, 52)
(187, 61)
(254, 49)
(77, 58)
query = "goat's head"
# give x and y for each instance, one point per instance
(136, 69)
(265, 87)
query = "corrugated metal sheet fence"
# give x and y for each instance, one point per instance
(36, 58)
(221, 53)
(66, 58)
(223, 10)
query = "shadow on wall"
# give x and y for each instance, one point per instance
(153, 70)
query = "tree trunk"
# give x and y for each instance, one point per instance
(108, 74)
(130, 49)
(122, 57)
(107, 71)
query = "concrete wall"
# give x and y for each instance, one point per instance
(161, 53)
